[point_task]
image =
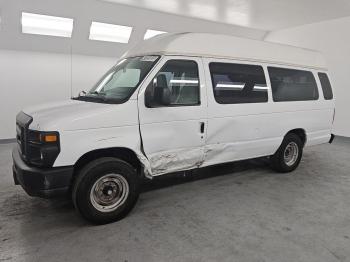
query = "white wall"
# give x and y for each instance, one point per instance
(333, 39)
(29, 78)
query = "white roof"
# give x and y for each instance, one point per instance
(225, 46)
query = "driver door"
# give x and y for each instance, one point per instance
(172, 109)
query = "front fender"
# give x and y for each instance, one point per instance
(75, 144)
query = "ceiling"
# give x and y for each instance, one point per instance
(247, 18)
(262, 14)
(84, 12)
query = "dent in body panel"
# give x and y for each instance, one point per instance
(250, 140)
(176, 160)
(191, 158)
(147, 171)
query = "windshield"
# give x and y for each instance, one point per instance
(120, 82)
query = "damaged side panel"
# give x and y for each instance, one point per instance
(172, 136)
(187, 158)
(176, 160)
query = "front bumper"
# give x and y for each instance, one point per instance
(41, 182)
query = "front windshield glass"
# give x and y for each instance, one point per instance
(119, 83)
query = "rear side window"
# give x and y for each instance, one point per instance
(292, 85)
(326, 86)
(238, 83)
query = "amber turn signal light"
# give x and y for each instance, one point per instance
(49, 138)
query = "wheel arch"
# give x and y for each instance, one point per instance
(122, 153)
(300, 132)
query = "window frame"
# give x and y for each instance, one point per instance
(244, 63)
(311, 71)
(175, 105)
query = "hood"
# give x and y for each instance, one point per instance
(72, 115)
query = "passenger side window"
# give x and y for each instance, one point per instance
(326, 86)
(292, 85)
(238, 83)
(176, 84)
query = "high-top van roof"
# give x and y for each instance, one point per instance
(225, 46)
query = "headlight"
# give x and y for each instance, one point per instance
(42, 148)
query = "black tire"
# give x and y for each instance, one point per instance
(92, 172)
(278, 161)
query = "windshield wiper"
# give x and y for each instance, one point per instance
(97, 93)
(88, 98)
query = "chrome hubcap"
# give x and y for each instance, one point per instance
(291, 154)
(109, 192)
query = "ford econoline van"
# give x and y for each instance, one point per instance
(175, 102)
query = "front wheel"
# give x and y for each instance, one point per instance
(105, 190)
(288, 155)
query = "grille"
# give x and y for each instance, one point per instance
(22, 123)
(20, 131)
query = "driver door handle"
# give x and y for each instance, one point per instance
(202, 127)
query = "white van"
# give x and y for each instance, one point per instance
(175, 102)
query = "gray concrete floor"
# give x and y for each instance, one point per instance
(234, 212)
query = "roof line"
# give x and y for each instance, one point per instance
(229, 58)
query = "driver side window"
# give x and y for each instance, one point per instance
(176, 84)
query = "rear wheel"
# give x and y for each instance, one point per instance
(288, 155)
(105, 190)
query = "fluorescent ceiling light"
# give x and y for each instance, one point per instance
(225, 86)
(183, 81)
(110, 32)
(151, 33)
(239, 86)
(46, 25)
